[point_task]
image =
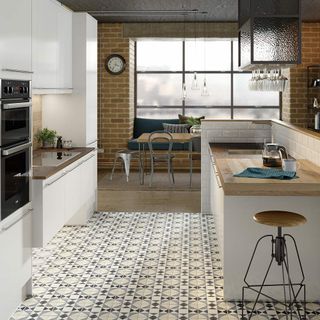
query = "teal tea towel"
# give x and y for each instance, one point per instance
(262, 173)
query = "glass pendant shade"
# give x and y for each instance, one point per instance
(205, 91)
(184, 91)
(195, 85)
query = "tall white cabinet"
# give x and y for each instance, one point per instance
(15, 39)
(51, 47)
(75, 116)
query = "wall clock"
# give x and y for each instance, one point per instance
(115, 64)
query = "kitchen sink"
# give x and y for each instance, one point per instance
(245, 151)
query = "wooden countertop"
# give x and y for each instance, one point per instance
(308, 183)
(42, 173)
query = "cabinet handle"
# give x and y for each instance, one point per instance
(92, 141)
(51, 88)
(17, 70)
(217, 176)
(89, 158)
(218, 181)
(16, 221)
(52, 182)
(8, 152)
(78, 165)
(7, 106)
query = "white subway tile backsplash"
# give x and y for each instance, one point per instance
(230, 133)
(298, 144)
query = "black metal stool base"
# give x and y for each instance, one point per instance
(291, 290)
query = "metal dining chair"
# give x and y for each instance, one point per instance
(157, 157)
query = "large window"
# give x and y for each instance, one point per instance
(162, 66)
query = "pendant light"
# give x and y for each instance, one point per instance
(195, 85)
(184, 91)
(205, 91)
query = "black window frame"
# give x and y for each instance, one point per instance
(183, 73)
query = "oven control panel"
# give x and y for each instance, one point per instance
(13, 89)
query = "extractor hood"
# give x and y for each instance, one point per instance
(269, 34)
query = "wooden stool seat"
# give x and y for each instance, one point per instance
(280, 218)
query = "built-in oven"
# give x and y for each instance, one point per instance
(15, 116)
(15, 178)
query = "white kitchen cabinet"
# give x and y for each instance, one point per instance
(64, 74)
(51, 47)
(44, 44)
(83, 193)
(15, 39)
(15, 265)
(57, 110)
(48, 201)
(73, 188)
(67, 198)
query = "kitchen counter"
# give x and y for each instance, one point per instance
(44, 170)
(308, 183)
(234, 201)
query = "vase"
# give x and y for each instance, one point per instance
(196, 130)
(47, 144)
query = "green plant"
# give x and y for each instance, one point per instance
(193, 121)
(46, 135)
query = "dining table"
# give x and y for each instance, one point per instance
(143, 140)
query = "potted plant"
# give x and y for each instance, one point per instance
(46, 137)
(195, 124)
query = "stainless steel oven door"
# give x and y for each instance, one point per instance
(15, 178)
(15, 122)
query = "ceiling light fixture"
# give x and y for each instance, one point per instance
(205, 91)
(184, 87)
(195, 85)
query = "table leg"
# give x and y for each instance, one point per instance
(190, 161)
(141, 164)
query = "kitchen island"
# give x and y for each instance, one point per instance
(234, 201)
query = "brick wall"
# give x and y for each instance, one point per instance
(294, 103)
(115, 93)
(116, 97)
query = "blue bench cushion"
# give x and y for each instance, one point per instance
(142, 125)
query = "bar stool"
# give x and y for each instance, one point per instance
(126, 155)
(279, 254)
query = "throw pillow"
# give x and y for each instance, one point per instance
(176, 128)
(184, 119)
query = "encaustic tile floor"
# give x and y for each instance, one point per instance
(136, 266)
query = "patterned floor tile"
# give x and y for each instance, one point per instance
(137, 266)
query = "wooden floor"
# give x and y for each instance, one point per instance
(144, 200)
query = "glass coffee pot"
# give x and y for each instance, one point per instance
(272, 154)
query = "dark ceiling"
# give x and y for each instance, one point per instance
(218, 10)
